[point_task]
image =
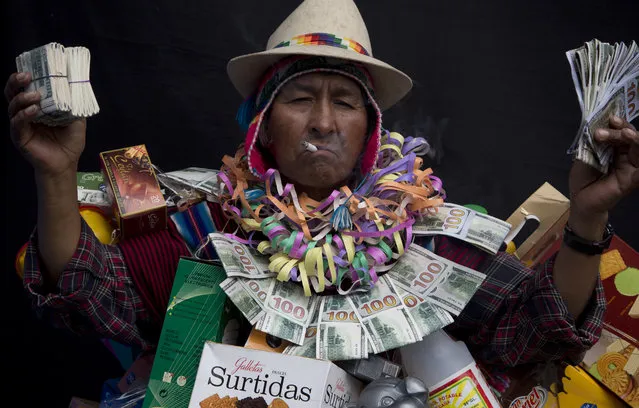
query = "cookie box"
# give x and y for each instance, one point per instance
(237, 377)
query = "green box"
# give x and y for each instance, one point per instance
(90, 180)
(198, 311)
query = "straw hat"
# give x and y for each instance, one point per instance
(331, 28)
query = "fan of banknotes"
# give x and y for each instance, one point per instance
(420, 293)
(606, 77)
(61, 75)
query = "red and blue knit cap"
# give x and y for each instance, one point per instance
(253, 109)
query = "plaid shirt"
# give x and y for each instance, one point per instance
(517, 316)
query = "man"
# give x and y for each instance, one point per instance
(313, 119)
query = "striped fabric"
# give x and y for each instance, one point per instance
(324, 39)
(194, 224)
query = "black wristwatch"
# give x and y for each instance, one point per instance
(586, 246)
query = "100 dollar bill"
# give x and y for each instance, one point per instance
(242, 299)
(309, 347)
(238, 259)
(341, 335)
(288, 312)
(455, 289)
(453, 220)
(427, 316)
(382, 314)
(436, 279)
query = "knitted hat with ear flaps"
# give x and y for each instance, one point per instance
(253, 111)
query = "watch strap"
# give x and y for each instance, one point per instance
(585, 246)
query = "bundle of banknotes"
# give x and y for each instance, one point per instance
(198, 179)
(606, 77)
(420, 294)
(61, 75)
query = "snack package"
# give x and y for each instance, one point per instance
(538, 397)
(570, 387)
(133, 188)
(579, 389)
(237, 377)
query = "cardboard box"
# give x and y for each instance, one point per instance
(259, 340)
(231, 376)
(617, 351)
(131, 183)
(551, 209)
(198, 311)
(614, 359)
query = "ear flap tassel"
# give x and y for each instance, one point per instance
(341, 218)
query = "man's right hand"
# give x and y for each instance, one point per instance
(52, 151)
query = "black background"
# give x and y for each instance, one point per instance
(493, 93)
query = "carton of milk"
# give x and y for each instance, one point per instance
(237, 377)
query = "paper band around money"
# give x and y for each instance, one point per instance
(325, 39)
(347, 239)
(61, 76)
(48, 76)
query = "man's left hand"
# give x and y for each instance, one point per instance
(592, 194)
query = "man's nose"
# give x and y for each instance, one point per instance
(322, 121)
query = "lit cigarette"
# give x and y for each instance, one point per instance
(309, 146)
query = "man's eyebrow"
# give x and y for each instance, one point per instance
(303, 86)
(343, 90)
(310, 87)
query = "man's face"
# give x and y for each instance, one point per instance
(327, 110)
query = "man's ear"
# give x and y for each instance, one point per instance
(263, 136)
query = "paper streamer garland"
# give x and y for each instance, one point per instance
(345, 242)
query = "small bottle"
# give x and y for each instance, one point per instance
(449, 372)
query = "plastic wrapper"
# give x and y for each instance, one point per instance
(133, 398)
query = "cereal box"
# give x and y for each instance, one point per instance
(198, 310)
(237, 377)
(131, 184)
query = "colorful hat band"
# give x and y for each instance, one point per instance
(324, 39)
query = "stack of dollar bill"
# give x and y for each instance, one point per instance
(61, 75)
(606, 77)
(197, 178)
(419, 295)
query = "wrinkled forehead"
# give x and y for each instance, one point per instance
(296, 69)
(313, 82)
